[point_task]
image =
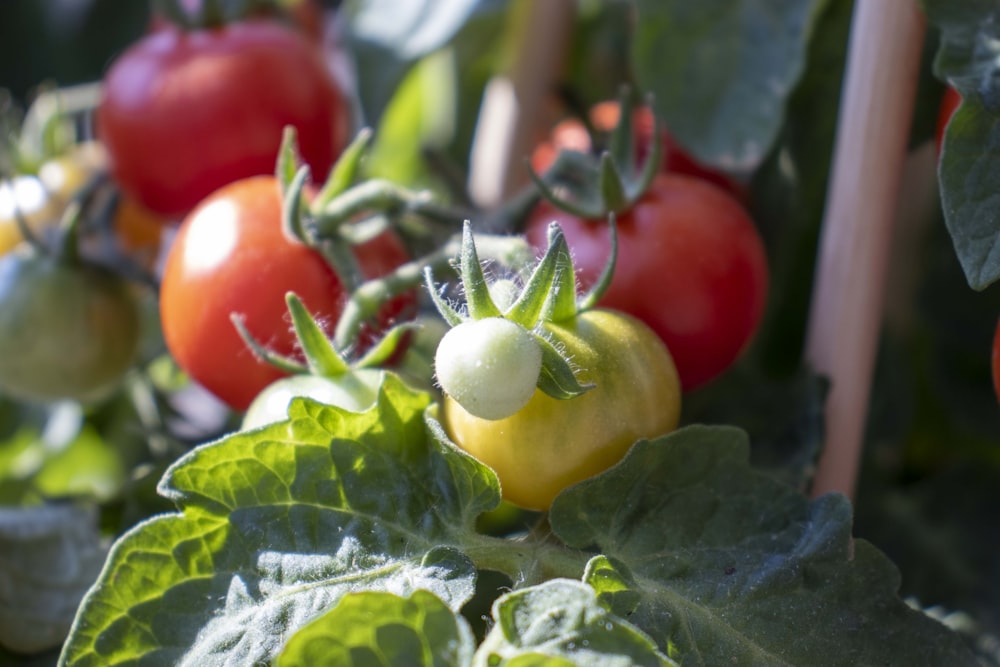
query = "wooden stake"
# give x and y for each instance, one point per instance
(875, 116)
(512, 115)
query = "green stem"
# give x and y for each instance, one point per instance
(369, 297)
(526, 561)
(385, 197)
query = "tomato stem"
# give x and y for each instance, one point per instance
(366, 300)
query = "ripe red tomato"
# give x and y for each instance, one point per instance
(691, 265)
(949, 103)
(570, 134)
(232, 255)
(184, 113)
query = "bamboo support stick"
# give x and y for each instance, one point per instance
(512, 115)
(875, 116)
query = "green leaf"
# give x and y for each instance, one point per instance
(385, 50)
(277, 525)
(561, 622)
(383, 629)
(967, 58)
(734, 567)
(721, 71)
(49, 556)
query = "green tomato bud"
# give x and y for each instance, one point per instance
(490, 367)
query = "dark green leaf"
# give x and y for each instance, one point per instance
(49, 556)
(387, 37)
(734, 567)
(968, 59)
(721, 71)
(280, 523)
(383, 629)
(562, 620)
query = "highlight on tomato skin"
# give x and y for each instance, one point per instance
(232, 255)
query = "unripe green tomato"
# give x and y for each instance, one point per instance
(67, 330)
(550, 444)
(356, 391)
(489, 366)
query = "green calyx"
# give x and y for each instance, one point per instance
(548, 295)
(612, 183)
(211, 14)
(321, 356)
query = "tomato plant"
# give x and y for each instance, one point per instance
(232, 256)
(68, 330)
(183, 113)
(572, 134)
(543, 389)
(691, 265)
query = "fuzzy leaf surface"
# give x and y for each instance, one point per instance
(276, 526)
(725, 565)
(383, 629)
(561, 622)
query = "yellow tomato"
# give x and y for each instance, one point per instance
(550, 444)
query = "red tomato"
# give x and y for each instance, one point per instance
(570, 134)
(691, 265)
(184, 113)
(949, 103)
(996, 361)
(232, 255)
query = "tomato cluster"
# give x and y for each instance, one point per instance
(232, 255)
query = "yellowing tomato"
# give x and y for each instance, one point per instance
(551, 444)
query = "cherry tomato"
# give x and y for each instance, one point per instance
(550, 444)
(184, 113)
(570, 134)
(691, 265)
(949, 103)
(232, 255)
(356, 391)
(68, 330)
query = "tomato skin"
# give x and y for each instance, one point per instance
(356, 391)
(949, 104)
(231, 255)
(551, 444)
(691, 265)
(67, 330)
(570, 134)
(184, 113)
